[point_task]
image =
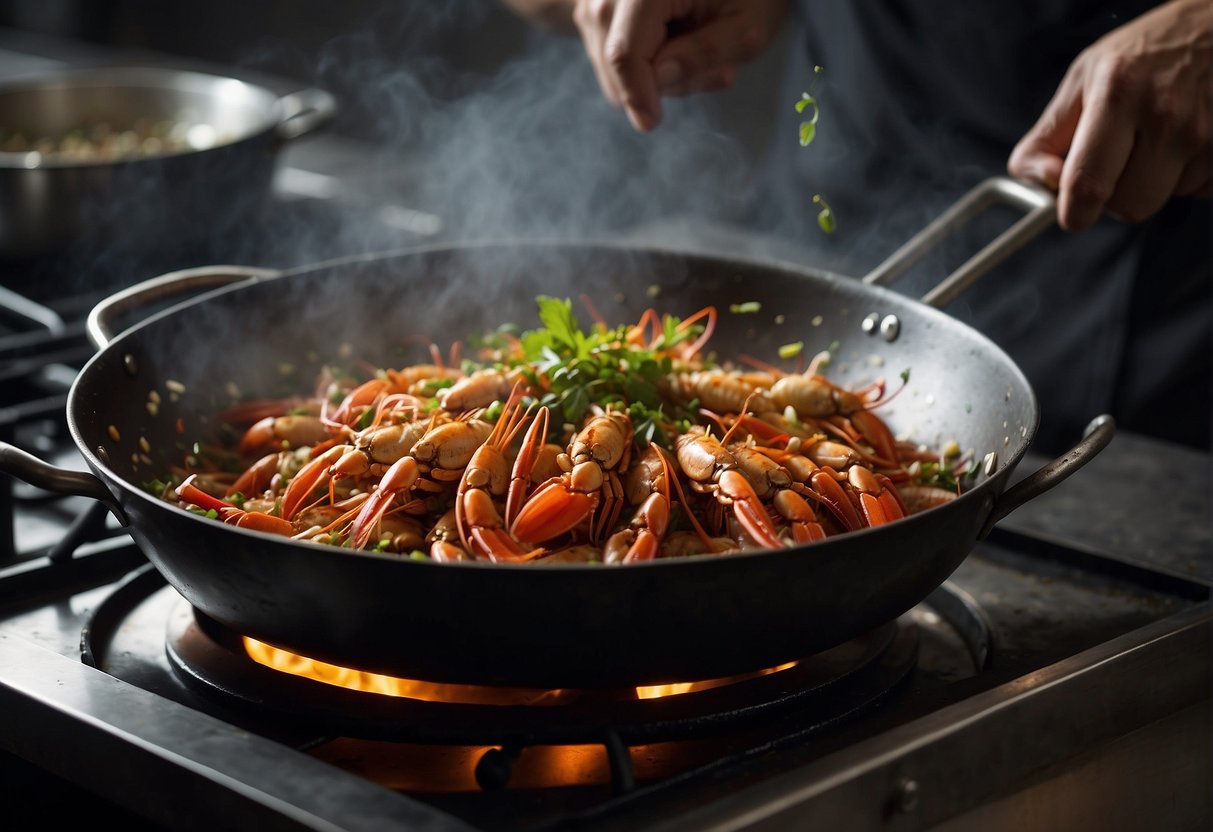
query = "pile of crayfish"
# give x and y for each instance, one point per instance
(507, 459)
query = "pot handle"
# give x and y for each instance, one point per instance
(1095, 438)
(30, 469)
(100, 325)
(1040, 212)
(304, 111)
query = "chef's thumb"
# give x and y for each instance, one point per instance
(1031, 161)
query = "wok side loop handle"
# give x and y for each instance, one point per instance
(102, 318)
(28, 468)
(1095, 438)
(1039, 205)
(303, 112)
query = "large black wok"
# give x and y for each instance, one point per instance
(543, 625)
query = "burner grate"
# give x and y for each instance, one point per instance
(40, 355)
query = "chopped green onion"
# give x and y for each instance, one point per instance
(791, 350)
(745, 308)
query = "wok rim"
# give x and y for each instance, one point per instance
(975, 494)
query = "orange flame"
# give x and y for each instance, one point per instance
(287, 662)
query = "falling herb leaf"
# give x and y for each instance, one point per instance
(825, 217)
(748, 307)
(808, 128)
(905, 375)
(808, 131)
(791, 350)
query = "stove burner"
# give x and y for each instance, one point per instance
(617, 738)
(212, 659)
(834, 685)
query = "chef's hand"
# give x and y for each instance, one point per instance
(1129, 126)
(642, 50)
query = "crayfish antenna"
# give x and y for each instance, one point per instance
(708, 312)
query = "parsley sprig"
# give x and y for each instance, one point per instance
(579, 369)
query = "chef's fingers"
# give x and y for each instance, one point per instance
(1195, 178)
(1148, 181)
(1169, 154)
(1152, 174)
(638, 31)
(593, 22)
(706, 57)
(1102, 144)
(1041, 152)
(1195, 137)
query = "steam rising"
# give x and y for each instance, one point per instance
(515, 144)
(527, 149)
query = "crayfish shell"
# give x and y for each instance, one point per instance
(922, 497)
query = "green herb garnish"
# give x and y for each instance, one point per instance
(825, 217)
(808, 131)
(580, 370)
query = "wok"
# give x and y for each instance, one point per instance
(547, 625)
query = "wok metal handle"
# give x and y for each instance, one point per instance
(30, 469)
(101, 319)
(304, 111)
(1095, 438)
(1039, 205)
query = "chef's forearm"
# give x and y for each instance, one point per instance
(555, 14)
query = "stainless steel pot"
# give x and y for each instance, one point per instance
(233, 131)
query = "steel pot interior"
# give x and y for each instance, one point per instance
(221, 110)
